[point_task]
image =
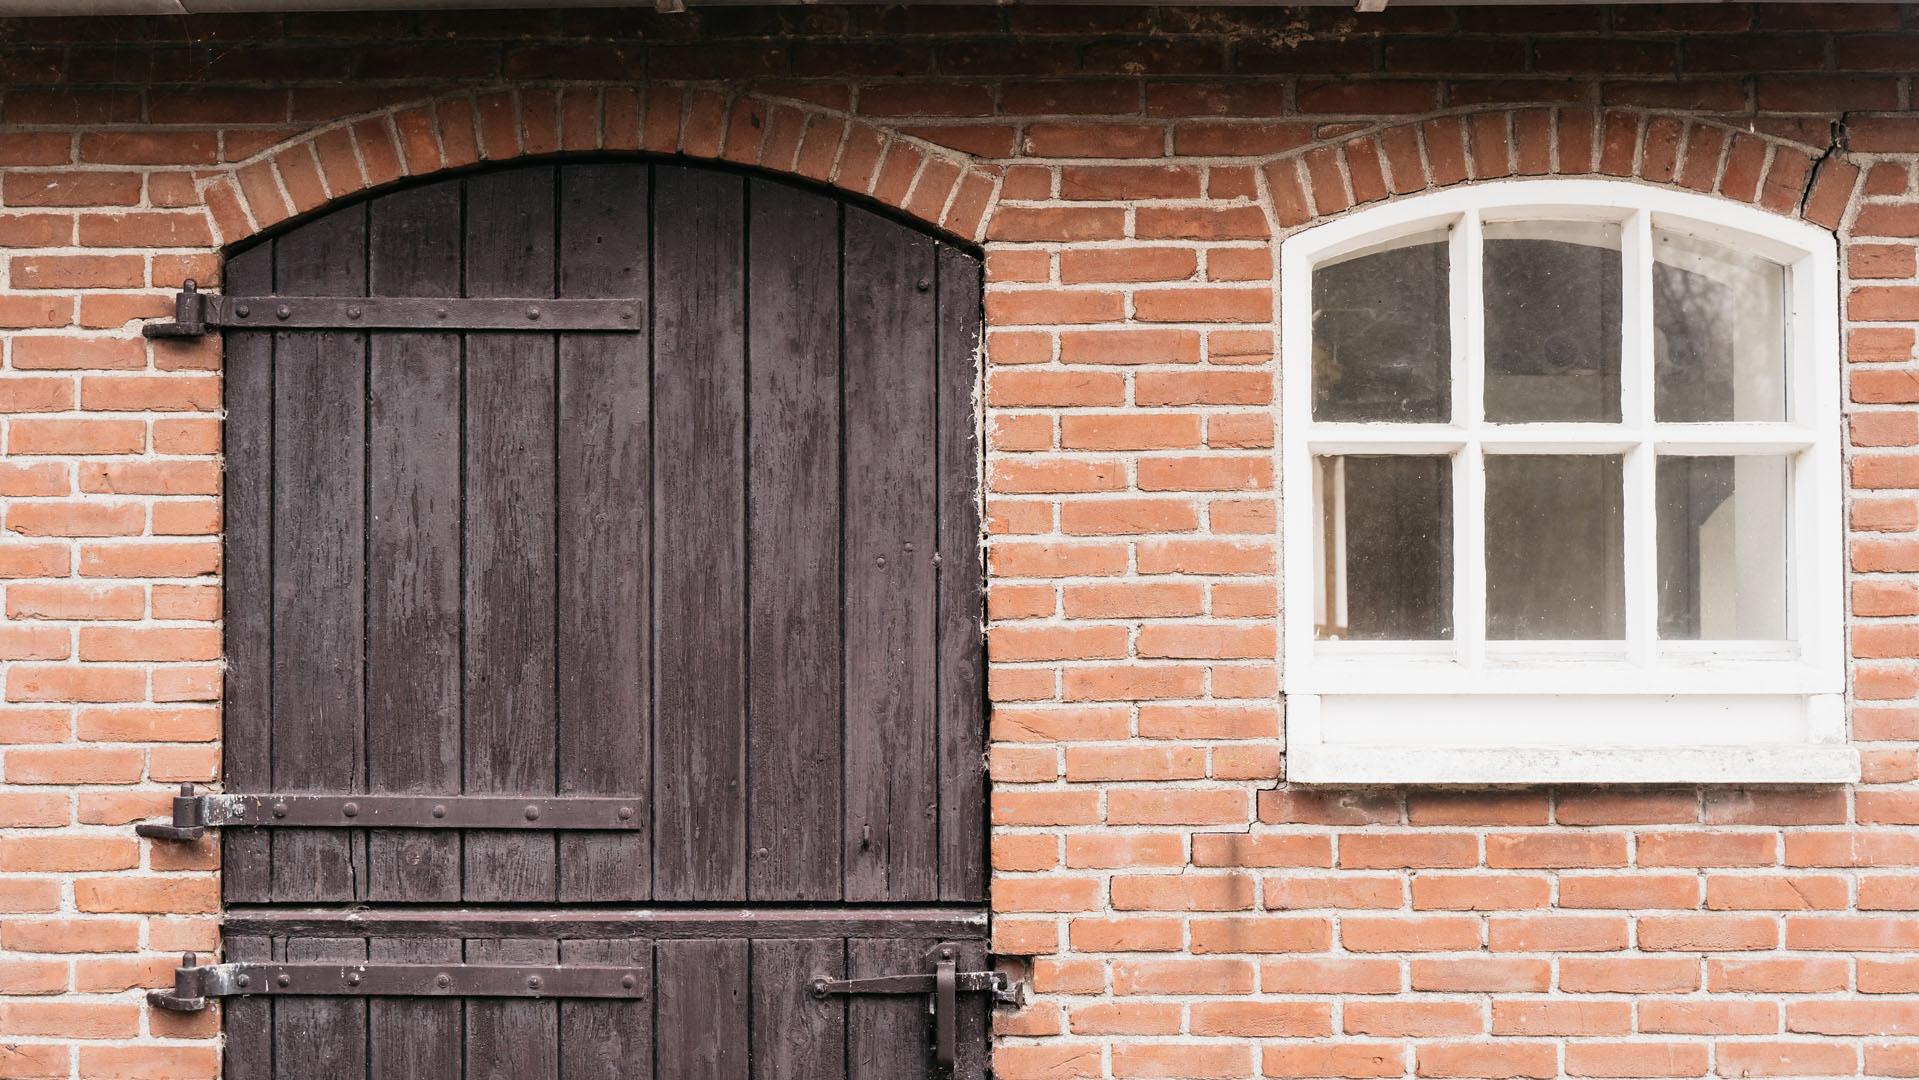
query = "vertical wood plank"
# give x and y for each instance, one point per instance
(319, 573)
(602, 528)
(608, 1040)
(699, 836)
(415, 1038)
(891, 841)
(247, 1023)
(793, 537)
(886, 1035)
(508, 589)
(797, 1036)
(321, 1038)
(413, 543)
(509, 1039)
(702, 1023)
(961, 675)
(247, 716)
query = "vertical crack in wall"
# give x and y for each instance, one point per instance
(1836, 143)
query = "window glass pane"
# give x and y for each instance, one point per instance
(1719, 332)
(1382, 339)
(1552, 321)
(1555, 568)
(1383, 546)
(1722, 548)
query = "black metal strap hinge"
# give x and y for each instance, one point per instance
(196, 313)
(193, 983)
(942, 985)
(194, 813)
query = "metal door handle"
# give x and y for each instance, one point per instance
(945, 1007)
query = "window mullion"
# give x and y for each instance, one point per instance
(1641, 465)
(1469, 476)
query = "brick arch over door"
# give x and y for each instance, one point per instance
(937, 186)
(1772, 171)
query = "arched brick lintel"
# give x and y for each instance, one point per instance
(1356, 168)
(942, 188)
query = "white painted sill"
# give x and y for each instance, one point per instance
(1593, 738)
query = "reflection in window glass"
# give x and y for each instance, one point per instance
(1383, 543)
(1382, 334)
(1722, 548)
(1555, 567)
(1552, 321)
(1719, 332)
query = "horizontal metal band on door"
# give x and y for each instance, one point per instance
(197, 313)
(194, 813)
(194, 983)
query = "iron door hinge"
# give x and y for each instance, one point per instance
(194, 814)
(196, 313)
(942, 985)
(194, 984)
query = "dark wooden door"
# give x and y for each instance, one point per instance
(726, 566)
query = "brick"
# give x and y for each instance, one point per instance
(1177, 807)
(1707, 933)
(150, 1062)
(1126, 1018)
(1480, 892)
(1241, 849)
(1109, 852)
(1481, 976)
(1396, 934)
(1414, 1019)
(1688, 1017)
(1556, 933)
(1481, 1060)
(1629, 891)
(1344, 1059)
(1786, 1058)
(83, 436)
(1626, 1059)
(1129, 934)
(69, 353)
(1297, 891)
(70, 935)
(1262, 1019)
(1376, 851)
(1183, 976)
(77, 188)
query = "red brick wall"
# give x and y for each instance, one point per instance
(1186, 913)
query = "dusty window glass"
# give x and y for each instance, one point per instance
(1555, 566)
(1722, 547)
(1719, 332)
(1552, 321)
(1383, 538)
(1382, 342)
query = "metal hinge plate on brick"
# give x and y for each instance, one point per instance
(196, 313)
(194, 984)
(194, 813)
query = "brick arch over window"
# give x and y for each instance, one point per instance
(1355, 168)
(943, 188)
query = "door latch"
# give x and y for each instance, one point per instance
(942, 986)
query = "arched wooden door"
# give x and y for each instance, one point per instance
(719, 566)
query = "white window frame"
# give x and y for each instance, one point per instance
(1595, 712)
